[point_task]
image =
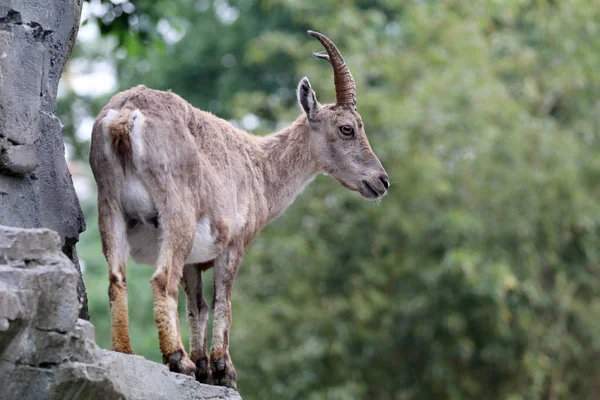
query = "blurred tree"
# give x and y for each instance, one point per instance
(476, 277)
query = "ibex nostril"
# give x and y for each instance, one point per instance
(386, 183)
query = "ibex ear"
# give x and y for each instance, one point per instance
(307, 98)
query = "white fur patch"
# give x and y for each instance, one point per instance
(136, 200)
(204, 243)
(136, 122)
(108, 118)
(110, 115)
(144, 240)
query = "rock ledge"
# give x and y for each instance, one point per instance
(47, 352)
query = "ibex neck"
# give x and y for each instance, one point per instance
(289, 167)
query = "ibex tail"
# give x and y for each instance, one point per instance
(120, 131)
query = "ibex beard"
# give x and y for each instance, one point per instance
(184, 190)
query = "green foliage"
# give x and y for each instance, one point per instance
(476, 277)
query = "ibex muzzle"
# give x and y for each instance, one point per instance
(183, 190)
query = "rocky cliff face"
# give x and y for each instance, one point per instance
(46, 352)
(36, 190)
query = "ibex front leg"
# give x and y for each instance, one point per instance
(197, 317)
(226, 267)
(116, 250)
(177, 236)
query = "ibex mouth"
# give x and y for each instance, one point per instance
(370, 193)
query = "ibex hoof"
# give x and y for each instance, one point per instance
(180, 363)
(223, 373)
(203, 372)
(219, 364)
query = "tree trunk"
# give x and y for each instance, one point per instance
(36, 189)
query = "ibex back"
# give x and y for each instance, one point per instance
(183, 190)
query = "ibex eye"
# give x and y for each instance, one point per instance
(346, 131)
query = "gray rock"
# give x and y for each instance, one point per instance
(17, 159)
(46, 352)
(36, 189)
(18, 244)
(134, 377)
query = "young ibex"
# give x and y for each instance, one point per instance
(183, 190)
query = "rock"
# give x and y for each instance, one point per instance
(46, 352)
(17, 159)
(133, 377)
(17, 244)
(36, 189)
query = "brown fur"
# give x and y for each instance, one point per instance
(194, 165)
(117, 294)
(121, 141)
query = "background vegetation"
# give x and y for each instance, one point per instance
(476, 277)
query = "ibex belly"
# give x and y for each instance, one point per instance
(144, 231)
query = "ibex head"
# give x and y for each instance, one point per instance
(337, 133)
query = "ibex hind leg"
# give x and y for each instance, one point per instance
(177, 222)
(116, 250)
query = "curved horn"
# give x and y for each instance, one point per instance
(345, 88)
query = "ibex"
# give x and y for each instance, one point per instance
(184, 190)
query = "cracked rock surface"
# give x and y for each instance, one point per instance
(36, 190)
(46, 352)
